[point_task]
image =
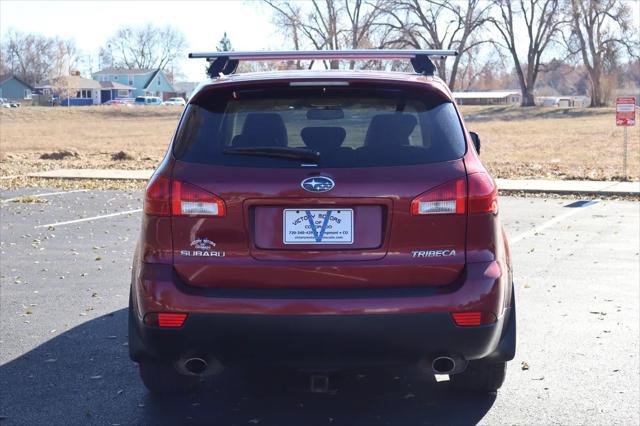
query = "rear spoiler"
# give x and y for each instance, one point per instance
(227, 62)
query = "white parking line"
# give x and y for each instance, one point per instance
(47, 194)
(531, 232)
(87, 219)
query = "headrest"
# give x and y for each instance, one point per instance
(323, 138)
(262, 129)
(393, 129)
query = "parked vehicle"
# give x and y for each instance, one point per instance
(148, 100)
(175, 101)
(6, 103)
(322, 220)
(119, 102)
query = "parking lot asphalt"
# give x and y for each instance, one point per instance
(63, 357)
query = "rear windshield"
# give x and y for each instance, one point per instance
(344, 127)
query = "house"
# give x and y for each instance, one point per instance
(510, 97)
(14, 89)
(146, 82)
(185, 88)
(71, 90)
(563, 101)
(114, 90)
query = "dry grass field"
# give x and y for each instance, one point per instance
(517, 142)
(553, 143)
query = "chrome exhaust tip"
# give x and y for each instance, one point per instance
(196, 366)
(443, 365)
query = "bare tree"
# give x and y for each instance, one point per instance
(321, 24)
(67, 58)
(147, 47)
(438, 24)
(601, 30)
(35, 58)
(542, 22)
(477, 68)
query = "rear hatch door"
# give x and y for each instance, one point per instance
(343, 220)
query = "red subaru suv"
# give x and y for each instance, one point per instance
(322, 220)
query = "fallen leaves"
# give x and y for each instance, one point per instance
(30, 199)
(524, 365)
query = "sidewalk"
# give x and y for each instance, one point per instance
(587, 187)
(94, 174)
(508, 185)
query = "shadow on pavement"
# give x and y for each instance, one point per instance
(84, 376)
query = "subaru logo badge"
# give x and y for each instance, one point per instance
(317, 184)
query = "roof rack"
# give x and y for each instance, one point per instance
(227, 62)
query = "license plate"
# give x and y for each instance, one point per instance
(313, 226)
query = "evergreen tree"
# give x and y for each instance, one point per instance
(224, 45)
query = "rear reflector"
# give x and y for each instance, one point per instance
(165, 319)
(448, 198)
(190, 200)
(465, 319)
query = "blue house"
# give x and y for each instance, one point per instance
(74, 90)
(114, 90)
(14, 89)
(71, 90)
(146, 82)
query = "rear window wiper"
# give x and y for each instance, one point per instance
(297, 154)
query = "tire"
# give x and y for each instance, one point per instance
(134, 339)
(480, 377)
(161, 378)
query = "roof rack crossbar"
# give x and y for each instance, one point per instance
(227, 62)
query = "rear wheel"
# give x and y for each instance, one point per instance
(162, 378)
(480, 377)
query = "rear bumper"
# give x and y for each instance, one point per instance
(319, 329)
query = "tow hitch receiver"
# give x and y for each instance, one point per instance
(319, 384)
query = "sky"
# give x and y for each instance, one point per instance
(91, 23)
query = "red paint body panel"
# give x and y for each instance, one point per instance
(483, 289)
(247, 265)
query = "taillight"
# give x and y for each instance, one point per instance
(483, 194)
(448, 198)
(157, 196)
(455, 197)
(466, 319)
(165, 198)
(190, 200)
